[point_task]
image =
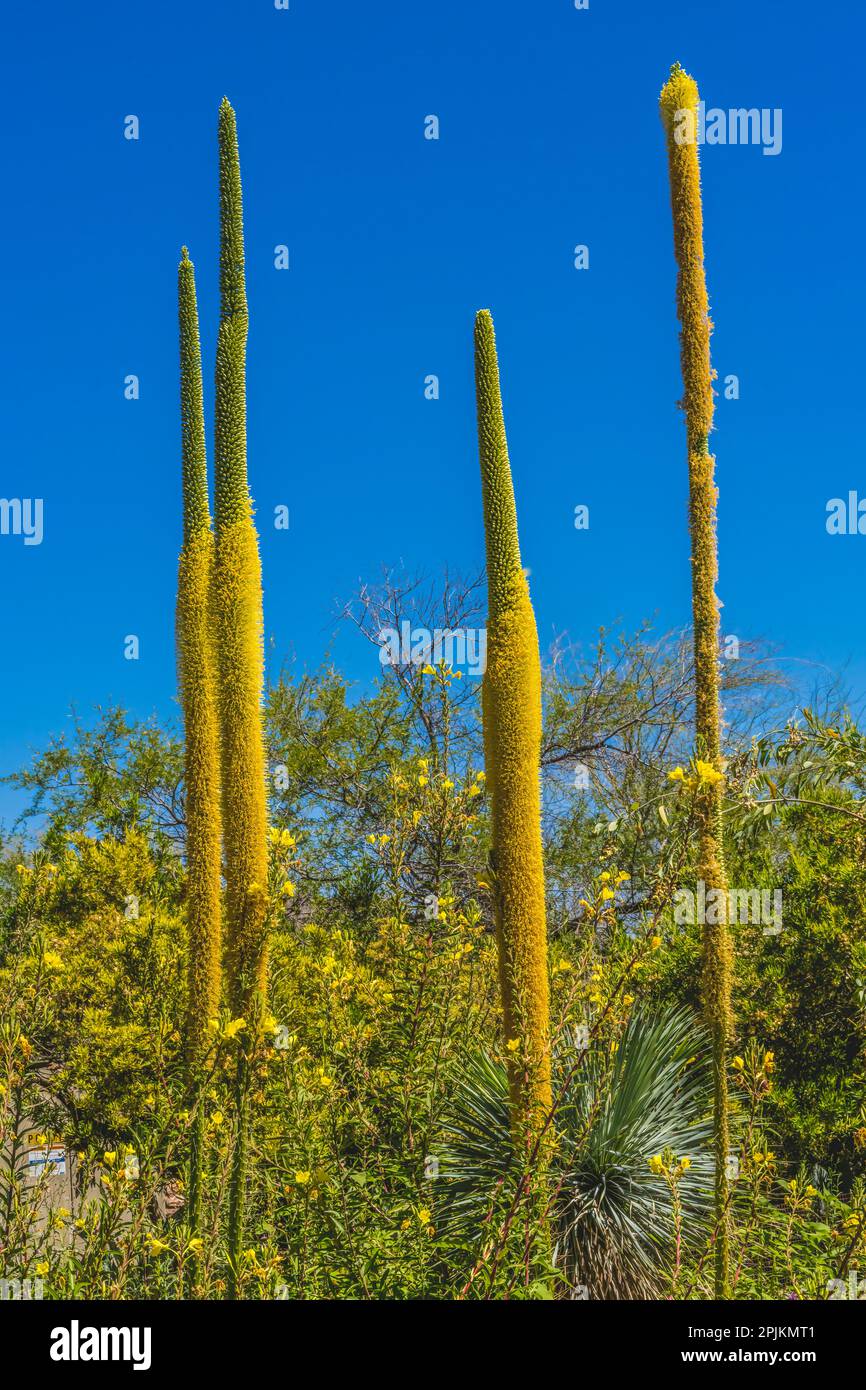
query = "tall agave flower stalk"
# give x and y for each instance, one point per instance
(511, 698)
(679, 112)
(239, 610)
(197, 678)
(241, 661)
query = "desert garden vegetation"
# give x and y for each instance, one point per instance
(385, 992)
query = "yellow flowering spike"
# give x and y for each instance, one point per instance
(197, 678)
(679, 112)
(511, 701)
(239, 609)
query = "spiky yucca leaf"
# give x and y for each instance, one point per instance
(614, 1217)
(611, 1214)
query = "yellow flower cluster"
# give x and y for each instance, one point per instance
(704, 775)
(667, 1165)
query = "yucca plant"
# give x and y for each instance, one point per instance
(679, 111)
(241, 663)
(197, 679)
(611, 1209)
(511, 699)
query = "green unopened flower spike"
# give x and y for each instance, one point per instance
(198, 684)
(197, 679)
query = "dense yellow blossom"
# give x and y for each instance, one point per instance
(511, 698)
(679, 112)
(239, 609)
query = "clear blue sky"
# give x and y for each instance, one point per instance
(549, 137)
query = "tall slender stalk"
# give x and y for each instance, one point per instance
(241, 660)
(197, 678)
(679, 112)
(511, 698)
